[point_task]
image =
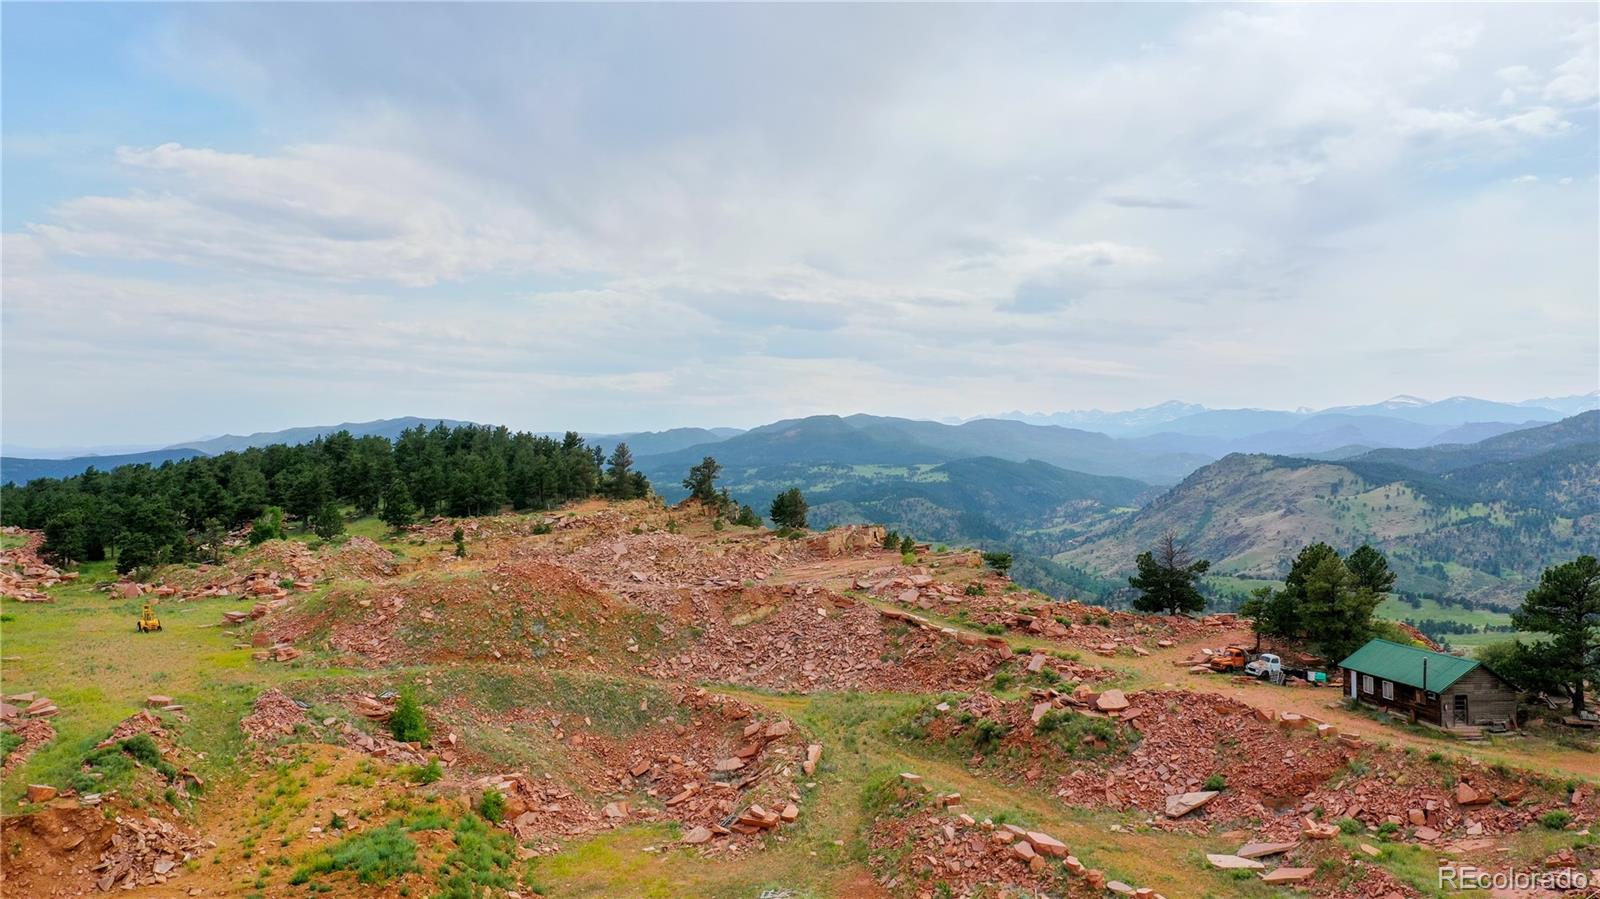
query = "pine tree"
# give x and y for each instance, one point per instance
(702, 481)
(329, 522)
(398, 510)
(999, 561)
(1371, 569)
(1167, 578)
(619, 480)
(1566, 606)
(789, 509)
(267, 526)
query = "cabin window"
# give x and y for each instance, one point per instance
(1366, 683)
(1388, 690)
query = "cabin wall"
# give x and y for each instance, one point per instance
(1406, 700)
(1488, 700)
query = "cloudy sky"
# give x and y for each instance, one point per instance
(230, 218)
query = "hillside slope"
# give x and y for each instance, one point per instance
(1579, 430)
(1484, 530)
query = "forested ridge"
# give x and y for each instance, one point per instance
(143, 515)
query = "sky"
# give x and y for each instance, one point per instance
(239, 217)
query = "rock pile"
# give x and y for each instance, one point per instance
(141, 722)
(725, 775)
(273, 715)
(27, 705)
(967, 857)
(844, 541)
(1265, 767)
(24, 576)
(144, 851)
(35, 732)
(1410, 793)
(786, 638)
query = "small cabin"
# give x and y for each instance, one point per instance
(1431, 687)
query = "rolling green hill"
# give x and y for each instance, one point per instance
(875, 440)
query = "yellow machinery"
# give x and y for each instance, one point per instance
(148, 621)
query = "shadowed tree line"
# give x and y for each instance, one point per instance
(182, 510)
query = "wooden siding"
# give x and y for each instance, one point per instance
(1489, 700)
(1407, 700)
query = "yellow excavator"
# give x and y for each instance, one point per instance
(148, 621)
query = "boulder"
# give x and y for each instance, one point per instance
(813, 756)
(1466, 795)
(1045, 844)
(41, 792)
(1111, 701)
(1184, 803)
(1233, 862)
(1289, 875)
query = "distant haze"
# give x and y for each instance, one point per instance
(232, 218)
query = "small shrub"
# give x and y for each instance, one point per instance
(8, 743)
(908, 558)
(999, 561)
(427, 774)
(1080, 735)
(492, 805)
(1555, 819)
(1351, 826)
(1216, 782)
(988, 733)
(407, 723)
(975, 589)
(994, 630)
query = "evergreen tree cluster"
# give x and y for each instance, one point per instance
(144, 516)
(1327, 601)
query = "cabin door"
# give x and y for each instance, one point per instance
(1459, 709)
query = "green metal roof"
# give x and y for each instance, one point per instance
(1404, 665)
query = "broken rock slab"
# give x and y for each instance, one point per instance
(1184, 803)
(1262, 850)
(1233, 862)
(1112, 701)
(1289, 875)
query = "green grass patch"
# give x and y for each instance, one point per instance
(375, 856)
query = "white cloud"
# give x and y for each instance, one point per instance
(706, 203)
(332, 212)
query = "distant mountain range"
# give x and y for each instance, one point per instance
(867, 440)
(1241, 424)
(1464, 505)
(15, 470)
